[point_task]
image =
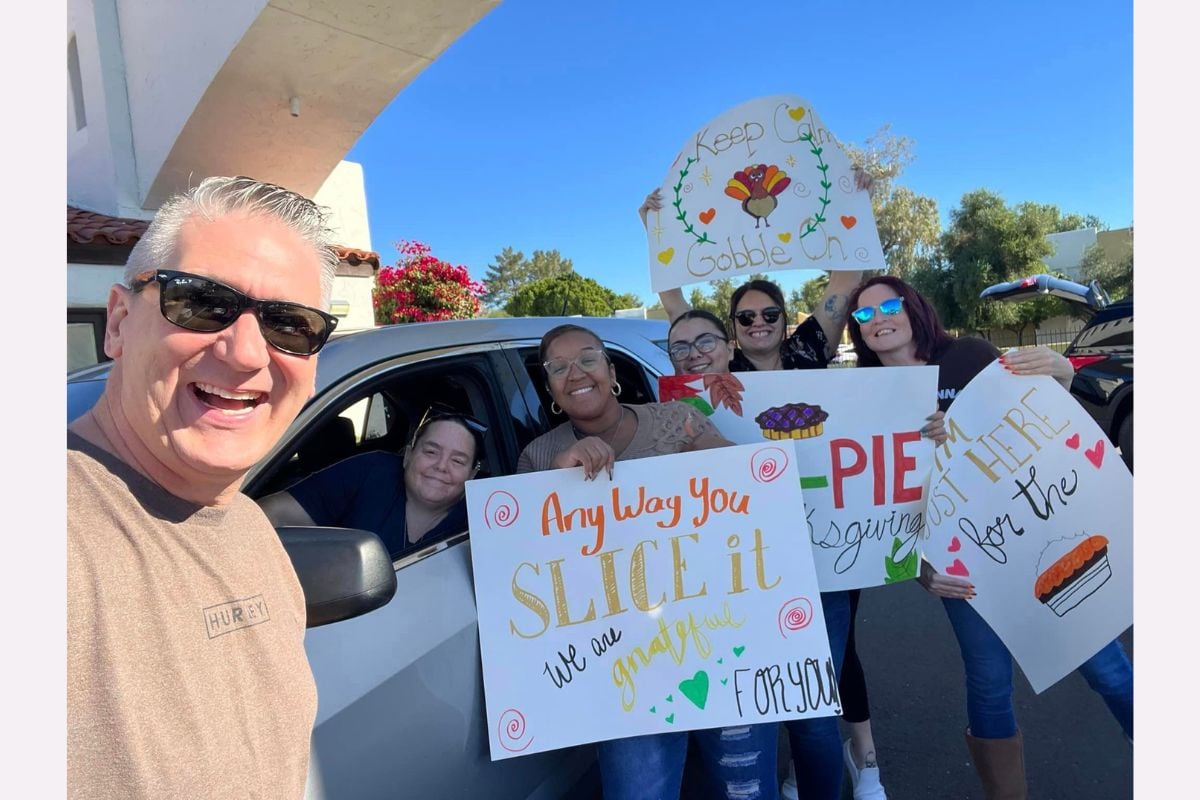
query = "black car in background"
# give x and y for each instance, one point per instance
(1102, 353)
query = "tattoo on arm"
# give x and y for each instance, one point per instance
(835, 307)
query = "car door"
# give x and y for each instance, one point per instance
(400, 692)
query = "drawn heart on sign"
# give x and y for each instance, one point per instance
(785, 237)
(955, 544)
(707, 216)
(737, 651)
(671, 718)
(666, 255)
(958, 568)
(849, 222)
(796, 113)
(1073, 442)
(696, 689)
(1095, 454)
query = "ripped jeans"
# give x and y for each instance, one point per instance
(739, 763)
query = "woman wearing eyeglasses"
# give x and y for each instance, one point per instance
(598, 432)
(405, 500)
(894, 325)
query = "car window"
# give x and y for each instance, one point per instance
(1110, 328)
(382, 415)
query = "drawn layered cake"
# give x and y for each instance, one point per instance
(1074, 576)
(792, 421)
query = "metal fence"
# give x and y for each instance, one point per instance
(1054, 339)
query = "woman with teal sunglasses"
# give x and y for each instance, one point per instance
(892, 324)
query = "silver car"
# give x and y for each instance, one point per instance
(400, 691)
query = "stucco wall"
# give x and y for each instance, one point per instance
(172, 52)
(345, 194)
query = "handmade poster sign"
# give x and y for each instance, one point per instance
(676, 596)
(856, 440)
(1030, 503)
(764, 186)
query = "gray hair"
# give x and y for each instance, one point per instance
(219, 196)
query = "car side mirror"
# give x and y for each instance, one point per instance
(344, 572)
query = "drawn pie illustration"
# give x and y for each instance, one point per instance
(792, 421)
(1074, 576)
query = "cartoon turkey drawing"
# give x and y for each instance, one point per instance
(757, 187)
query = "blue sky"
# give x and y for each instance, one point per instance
(545, 124)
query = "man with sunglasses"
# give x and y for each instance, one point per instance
(186, 670)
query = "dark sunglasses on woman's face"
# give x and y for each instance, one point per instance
(889, 308)
(770, 315)
(704, 343)
(203, 305)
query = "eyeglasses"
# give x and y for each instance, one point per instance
(888, 308)
(589, 361)
(704, 343)
(770, 316)
(206, 306)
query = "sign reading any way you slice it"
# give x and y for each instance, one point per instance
(857, 442)
(762, 187)
(676, 596)
(1029, 502)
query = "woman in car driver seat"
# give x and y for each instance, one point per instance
(404, 500)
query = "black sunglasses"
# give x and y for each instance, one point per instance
(770, 315)
(201, 304)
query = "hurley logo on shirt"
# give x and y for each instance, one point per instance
(235, 615)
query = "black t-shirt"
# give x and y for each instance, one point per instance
(367, 492)
(958, 361)
(804, 349)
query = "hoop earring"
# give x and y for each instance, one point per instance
(554, 409)
(616, 389)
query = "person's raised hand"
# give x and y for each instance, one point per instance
(592, 453)
(653, 202)
(1040, 360)
(944, 585)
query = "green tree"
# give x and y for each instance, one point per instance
(1114, 278)
(990, 242)
(812, 292)
(568, 293)
(628, 300)
(511, 271)
(907, 222)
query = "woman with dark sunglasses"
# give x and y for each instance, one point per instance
(894, 325)
(406, 499)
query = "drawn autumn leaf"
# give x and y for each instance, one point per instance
(676, 387)
(725, 390)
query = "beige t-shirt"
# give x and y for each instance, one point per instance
(186, 671)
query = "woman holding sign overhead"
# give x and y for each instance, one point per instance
(758, 321)
(600, 431)
(894, 325)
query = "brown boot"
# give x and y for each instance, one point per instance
(1001, 766)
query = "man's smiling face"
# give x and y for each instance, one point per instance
(202, 406)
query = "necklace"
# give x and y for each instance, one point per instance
(607, 436)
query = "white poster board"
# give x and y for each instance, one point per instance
(1029, 501)
(863, 463)
(763, 187)
(676, 596)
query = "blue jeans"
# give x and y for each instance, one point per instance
(816, 742)
(739, 764)
(989, 670)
